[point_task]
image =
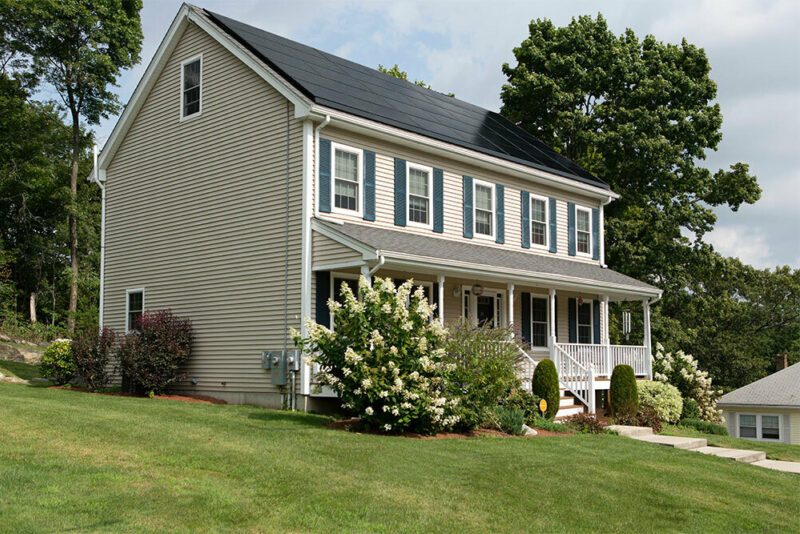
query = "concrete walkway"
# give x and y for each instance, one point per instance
(700, 445)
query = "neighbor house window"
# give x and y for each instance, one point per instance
(539, 322)
(539, 221)
(585, 322)
(583, 228)
(133, 309)
(770, 427)
(484, 209)
(419, 195)
(748, 426)
(760, 426)
(191, 87)
(347, 178)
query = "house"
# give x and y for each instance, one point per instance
(250, 176)
(768, 409)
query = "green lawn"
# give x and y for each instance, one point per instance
(76, 461)
(775, 451)
(25, 371)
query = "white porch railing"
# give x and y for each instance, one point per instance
(526, 367)
(577, 378)
(605, 357)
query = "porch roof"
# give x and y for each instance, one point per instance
(409, 247)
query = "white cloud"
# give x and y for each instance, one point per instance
(746, 243)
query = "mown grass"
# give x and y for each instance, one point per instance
(775, 451)
(24, 371)
(77, 461)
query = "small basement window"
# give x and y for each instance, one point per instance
(134, 308)
(191, 87)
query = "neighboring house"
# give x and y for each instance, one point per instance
(250, 176)
(768, 409)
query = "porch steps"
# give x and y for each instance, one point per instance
(568, 405)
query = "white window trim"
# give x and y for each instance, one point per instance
(759, 426)
(591, 232)
(359, 175)
(200, 111)
(546, 298)
(429, 170)
(546, 201)
(128, 303)
(500, 307)
(578, 321)
(475, 184)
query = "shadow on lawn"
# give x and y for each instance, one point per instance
(293, 418)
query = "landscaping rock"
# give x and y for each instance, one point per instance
(12, 354)
(4, 337)
(529, 431)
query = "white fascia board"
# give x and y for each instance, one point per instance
(367, 252)
(436, 265)
(187, 14)
(396, 135)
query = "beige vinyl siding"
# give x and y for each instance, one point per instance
(453, 200)
(327, 252)
(197, 215)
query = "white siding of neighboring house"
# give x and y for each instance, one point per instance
(197, 215)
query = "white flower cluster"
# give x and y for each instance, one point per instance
(681, 370)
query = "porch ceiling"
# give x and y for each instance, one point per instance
(440, 255)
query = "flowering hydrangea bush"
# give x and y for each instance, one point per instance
(662, 397)
(680, 370)
(385, 358)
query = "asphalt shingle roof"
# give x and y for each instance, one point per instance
(778, 389)
(346, 86)
(385, 240)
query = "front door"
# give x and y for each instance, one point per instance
(485, 310)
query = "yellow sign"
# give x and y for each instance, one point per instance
(542, 405)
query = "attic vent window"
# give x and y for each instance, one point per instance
(191, 87)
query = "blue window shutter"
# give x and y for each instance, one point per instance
(500, 213)
(596, 321)
(323, 294)
(369, 185)
(525, 205)
(571, 227)
(399, 192)
(572, 313)
(526, 317)
(438, 201)
(553, 226)
(468, 206)
(596, 234)
(324, 175)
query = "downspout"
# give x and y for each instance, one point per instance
(381, 261)
(286, 262)
(96, 179)
(603, 232)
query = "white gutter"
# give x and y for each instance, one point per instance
(603, 232)
(95, 177)
(381, 261)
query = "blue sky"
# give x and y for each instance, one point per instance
(460, 46)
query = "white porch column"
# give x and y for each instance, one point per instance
(366, 275)
(440, 281)
(552, 310)
(510, 319)
(606, 336)
(647, 341)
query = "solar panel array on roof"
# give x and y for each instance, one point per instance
(347, 86)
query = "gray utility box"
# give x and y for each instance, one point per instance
(279, 363)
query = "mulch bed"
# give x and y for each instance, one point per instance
(197, 399)
(349, 424)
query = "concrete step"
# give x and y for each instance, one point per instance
(779, 465)
(570, 409)
(631, 431)
(674, 441)
(740, 455)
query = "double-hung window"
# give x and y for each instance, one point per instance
(484, 209)
(539, 322)
(760, 427)
(539, 232)
(419, 195)
(191, 87)
(585, 322)
(346, 178)
(583, 230)
(134, 307)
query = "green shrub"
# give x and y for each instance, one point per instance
(522, 400)
(545, 386)
(543, 423)
(645, 417)
(151, 358)
(510, 420)
(585, 423)
(682, 371)
(386, 359)
(624, 394)
(704, 426)
(91, 350)
(484, 370)
(664, 398)
(58, 363)
(691, 410)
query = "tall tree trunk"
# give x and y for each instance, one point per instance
(73, 222)
(33, 307)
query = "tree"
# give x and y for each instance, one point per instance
(79, 48)
(403, 75)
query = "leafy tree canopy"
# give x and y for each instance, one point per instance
(403, 75)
